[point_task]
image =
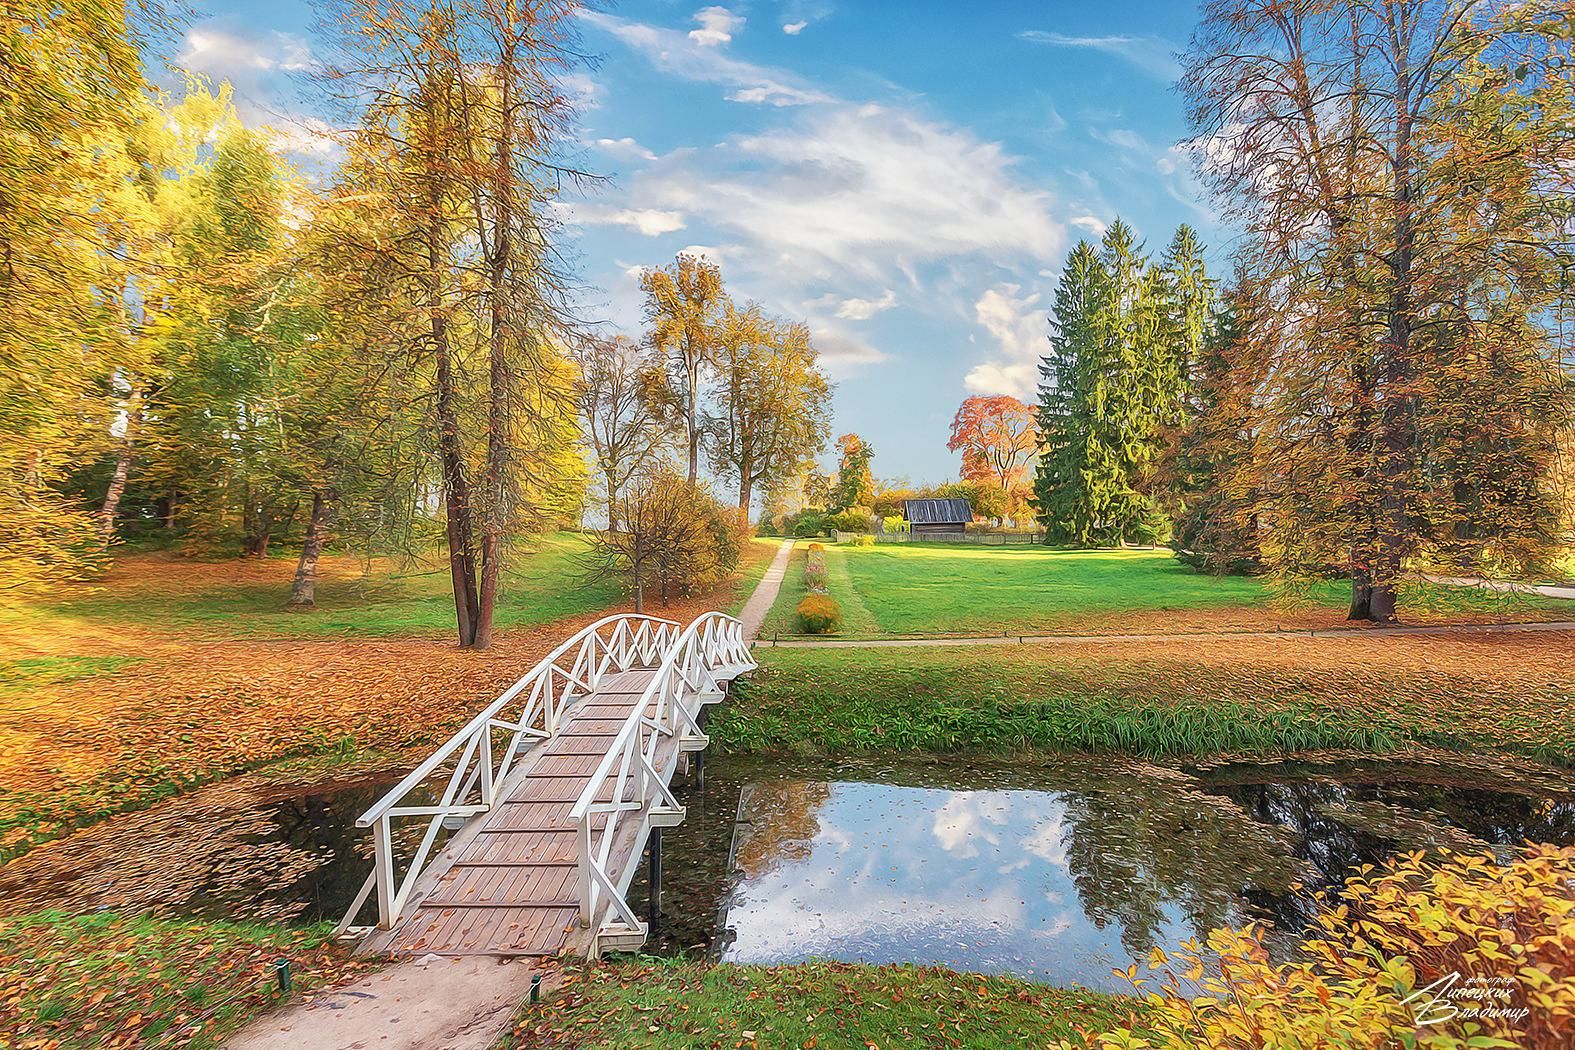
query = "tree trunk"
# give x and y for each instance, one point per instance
(612, 503)
(1361, 595)
(639, 576)
(117, 481)
(1399, 435)
(499, 255)
(303, 590)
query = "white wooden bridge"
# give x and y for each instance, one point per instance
(550, 793)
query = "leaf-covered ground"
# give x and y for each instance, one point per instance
(1504, 692)
(97, 717)
(672, 1005)
(109, 981)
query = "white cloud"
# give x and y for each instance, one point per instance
(1151, 54)
(841, 353)
(583, 92)
(674, 52)
(626, 148)
(717, 26)
(864, 191)
(1091, 223)
(864, 309)
(1018, 326)
(652, 222)
(221, 54)
(794, 28)
(260, 70)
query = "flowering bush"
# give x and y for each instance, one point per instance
(1461, 952)
(819, 614)
(815, 579)
(865, 540)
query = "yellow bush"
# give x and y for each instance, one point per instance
(1429, 954)
(865, 540)
(820, 614)
(816, 547)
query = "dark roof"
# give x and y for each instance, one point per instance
(937, 511)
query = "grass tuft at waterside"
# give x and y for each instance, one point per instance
(1501, 693)
(656, 1004)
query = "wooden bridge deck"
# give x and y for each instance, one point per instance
(507, 884)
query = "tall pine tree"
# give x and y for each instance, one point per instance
(1113, 388)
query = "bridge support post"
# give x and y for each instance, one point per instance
(654, 910)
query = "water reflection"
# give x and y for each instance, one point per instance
(1060, 871)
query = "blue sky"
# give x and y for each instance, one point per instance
(907, 177)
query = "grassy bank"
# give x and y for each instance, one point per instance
(674, 1005)
(1508, 693)
(106, 980)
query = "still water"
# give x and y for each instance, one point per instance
(1055, 868)
(1060, 870)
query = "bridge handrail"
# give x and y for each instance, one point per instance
(613, 643)
(711, 649)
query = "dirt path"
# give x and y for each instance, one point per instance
(1104, 639)
(759, 604)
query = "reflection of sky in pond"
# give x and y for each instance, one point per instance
(975, 880)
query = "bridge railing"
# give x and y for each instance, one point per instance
(485, 751)
(631, 784)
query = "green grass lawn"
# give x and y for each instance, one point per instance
(935, 588)
(687, 1005)
(1375, 694)
(952, 588)
(783, 618)
(545, 580)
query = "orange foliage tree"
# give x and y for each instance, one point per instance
(997, 439)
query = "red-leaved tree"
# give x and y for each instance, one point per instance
(997, 439)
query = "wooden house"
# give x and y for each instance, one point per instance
(937, 515)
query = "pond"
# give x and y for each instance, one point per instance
(1055, 868)
(1060, 870)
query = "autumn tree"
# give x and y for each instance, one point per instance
(685, 307)
(1210, 476)
(462, 107)
(620, 398)
(771, 413)
(855, 485)
(1404, 193)
(672, 535)
(998, 440)
(73, 90)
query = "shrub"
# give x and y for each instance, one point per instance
(854, 519)
(865, 540)
(1442, 939)
(815, 579)
(813, 547)
(808, 523)
(895, 523)
(819, 614)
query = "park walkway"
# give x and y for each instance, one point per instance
(1100, 639)
(758, 607)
